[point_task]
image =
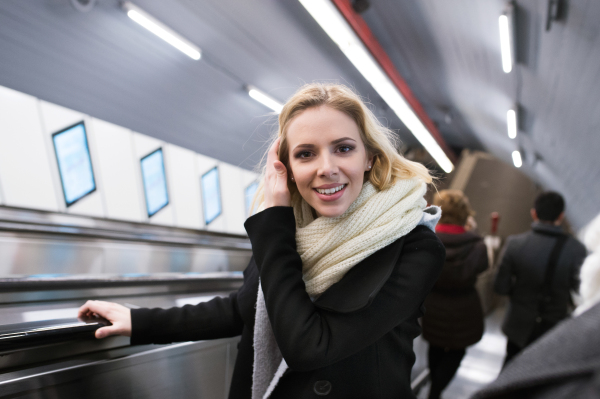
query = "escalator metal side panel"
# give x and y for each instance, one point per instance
(188, 370)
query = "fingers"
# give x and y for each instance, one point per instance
(276, 189)
(119, 316)
(119, 327)
(85, 310)
(280, 169)
(273, 154)
(92, 308)
(275, 147)
(107, 331)
(280, 187)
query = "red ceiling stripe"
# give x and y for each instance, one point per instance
(364, 33)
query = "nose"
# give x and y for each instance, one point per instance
(328, 167)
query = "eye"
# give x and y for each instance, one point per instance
(303, 154)
(345, 148)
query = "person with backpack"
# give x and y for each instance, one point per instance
(538, 271)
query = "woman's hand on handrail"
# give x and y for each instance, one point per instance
(276, 189)
(118, 315)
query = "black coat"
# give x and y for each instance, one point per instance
(523, 264)
(563, 364)
(355, 339)
(454, 317)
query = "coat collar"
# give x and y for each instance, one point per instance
(546, 228)
(449, 229)
(358, 287)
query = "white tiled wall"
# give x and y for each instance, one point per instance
(25, 177)
(184, 188)
(29, 176)
(117, 172)
(232, 195)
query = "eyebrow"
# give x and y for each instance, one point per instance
(342, 139)
(333, 142)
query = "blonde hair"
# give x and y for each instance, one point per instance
(379, 141)
(455, 207)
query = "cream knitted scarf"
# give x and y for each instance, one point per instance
(329, 248)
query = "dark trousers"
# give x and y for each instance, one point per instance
(443, 364)
(512, 350)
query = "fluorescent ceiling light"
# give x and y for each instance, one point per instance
(505, 42)
(511, 123)
(161, 30)
(265, 99)
(334, 24)
(516, 156)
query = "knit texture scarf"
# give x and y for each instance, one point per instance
(329, 248)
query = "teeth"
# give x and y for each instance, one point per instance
(330, 191)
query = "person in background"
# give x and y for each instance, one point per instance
(565, 362)
(538, 270)
(454, 317)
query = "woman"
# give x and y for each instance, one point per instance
(343, 257)
(454, 317)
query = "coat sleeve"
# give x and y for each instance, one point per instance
(310, 337)
(504, 277)
(217, 318)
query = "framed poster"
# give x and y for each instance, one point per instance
(155, 181)
(74, 162)
(211, 195)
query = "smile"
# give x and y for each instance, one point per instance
(330, 191)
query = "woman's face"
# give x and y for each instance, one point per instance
(327, 159)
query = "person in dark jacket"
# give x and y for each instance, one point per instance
(565, 362)
(344, 255)
(524, 263)
(454, 317)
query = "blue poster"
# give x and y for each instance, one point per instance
(155, 182)
(74, 162)
(211, 195)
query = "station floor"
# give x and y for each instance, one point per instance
(482, 363)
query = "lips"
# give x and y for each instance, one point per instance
(329, 190)
(330, 194)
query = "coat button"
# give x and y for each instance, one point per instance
(322, 388)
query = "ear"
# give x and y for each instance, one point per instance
(369, 164)
(534, 215)
(560, 218)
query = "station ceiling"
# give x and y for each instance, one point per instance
(103, 64)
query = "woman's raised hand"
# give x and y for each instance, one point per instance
(118, 315)
(276, 189)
